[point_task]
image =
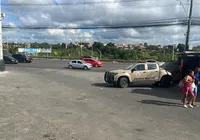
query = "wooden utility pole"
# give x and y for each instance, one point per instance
(188, 28)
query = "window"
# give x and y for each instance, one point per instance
(73, 61)
(152, 66)
(79, 62)
(140, 67)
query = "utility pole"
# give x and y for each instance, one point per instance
(188, 28)
(81, 46)
(1, 44)
(173, 52)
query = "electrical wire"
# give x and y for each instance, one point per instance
(73, 3)
(98, 27)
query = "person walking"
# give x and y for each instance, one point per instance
(197, 85)
(187, 89)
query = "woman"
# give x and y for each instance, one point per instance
(197, 84)
(187, 89)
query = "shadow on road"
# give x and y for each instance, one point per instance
(92, 69)
(104, 85)
(169, 93)
(107, 85)
(160, 103)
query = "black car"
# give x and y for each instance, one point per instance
(22, 58)
(10, 60)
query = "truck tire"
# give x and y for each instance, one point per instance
(165, 81)
(123, 82)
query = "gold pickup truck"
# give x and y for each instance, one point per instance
(139, 72)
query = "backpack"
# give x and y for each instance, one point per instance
(181, 84)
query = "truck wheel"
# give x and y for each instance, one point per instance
(123, 82)
(156, 83)
(165, 81)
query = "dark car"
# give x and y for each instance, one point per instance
(2, 65)
(10, 60)
(22, 58)
(91, 57)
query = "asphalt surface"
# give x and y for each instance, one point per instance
(62, 64)
(51, 103)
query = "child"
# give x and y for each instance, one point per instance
(187, 89)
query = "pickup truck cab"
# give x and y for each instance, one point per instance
(139, 72)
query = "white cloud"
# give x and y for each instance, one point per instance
(106, 12)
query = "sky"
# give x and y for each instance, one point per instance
(76, 13)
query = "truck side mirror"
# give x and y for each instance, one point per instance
(132, 70)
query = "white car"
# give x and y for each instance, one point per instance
(79, 64)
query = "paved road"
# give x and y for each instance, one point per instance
(58, 104)
(61, 64)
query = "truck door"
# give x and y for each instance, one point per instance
(139, 73)
(152, 72)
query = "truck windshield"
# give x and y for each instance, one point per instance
(129, 67)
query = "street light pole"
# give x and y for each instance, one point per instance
(188, 28)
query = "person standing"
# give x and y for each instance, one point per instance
(187, 89)
(197, 85)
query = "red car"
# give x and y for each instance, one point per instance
(94, 63)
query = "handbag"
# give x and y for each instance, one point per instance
(181, 84)
(193, 85)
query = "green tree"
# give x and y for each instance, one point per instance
(12, 50)
(44, 45)
(181, 47)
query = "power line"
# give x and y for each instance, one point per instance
(73, 3)
(150, 22)
(96, 27)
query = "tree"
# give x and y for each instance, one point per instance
(181, 47)
(34, 45)
(44, 45)
(12, 50)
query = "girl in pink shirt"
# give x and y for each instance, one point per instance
(187, 89)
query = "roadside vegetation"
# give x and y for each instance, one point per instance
(109, 51)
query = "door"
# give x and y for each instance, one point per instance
(152, 72)
(92, 62)
(80, 64)
(73, 63)
(139, 73)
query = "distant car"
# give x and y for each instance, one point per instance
(79, 64)
(10, 60)
(22, 58)
(94, 62)
(90, 57)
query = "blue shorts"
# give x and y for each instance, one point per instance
(195, 90)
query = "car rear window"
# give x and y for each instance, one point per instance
(152, 66)
(73, 61)
(140, 67)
